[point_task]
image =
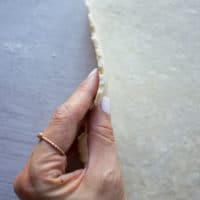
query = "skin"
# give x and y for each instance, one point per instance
(49, 175)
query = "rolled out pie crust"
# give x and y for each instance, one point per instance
(151, 54)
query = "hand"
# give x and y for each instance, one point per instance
(46, 175)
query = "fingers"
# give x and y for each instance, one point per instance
(65, 121)
(102, 149)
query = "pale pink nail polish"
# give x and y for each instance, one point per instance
(105, 105)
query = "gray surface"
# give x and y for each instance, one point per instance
(45, 51)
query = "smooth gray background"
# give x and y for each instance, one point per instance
(45, 52)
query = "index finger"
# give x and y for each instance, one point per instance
(64, 123)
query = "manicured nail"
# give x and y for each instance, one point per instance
(105, 105)
(92, 73)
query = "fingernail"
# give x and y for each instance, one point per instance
(105, 105)
(92, 73)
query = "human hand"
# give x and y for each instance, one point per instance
(46, 175)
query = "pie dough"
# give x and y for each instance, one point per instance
(99, 57)
(151, 58)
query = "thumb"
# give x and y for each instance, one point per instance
(101, 144)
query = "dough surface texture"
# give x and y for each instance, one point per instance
(99, 57)
(152, 63)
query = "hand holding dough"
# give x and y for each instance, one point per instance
(46, 174)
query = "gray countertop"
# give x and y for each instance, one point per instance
(45, 52)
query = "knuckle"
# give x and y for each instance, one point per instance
(59, 114)
(63, 113)
(105, 132)
(22, 186)
(111, 179)
(36, 178)
(111, 176)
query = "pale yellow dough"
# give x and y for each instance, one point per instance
(151, 58)
(99, 57)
